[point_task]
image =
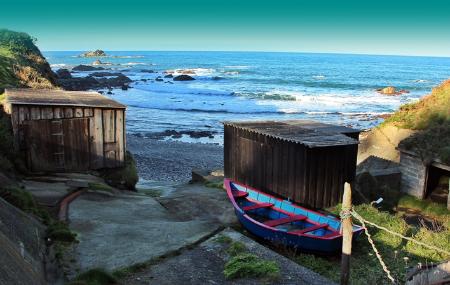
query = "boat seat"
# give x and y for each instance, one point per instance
(309, 229)
(290, 219)
(240, 194)
(257, 206)
(332, 234)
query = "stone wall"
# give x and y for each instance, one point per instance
(413, 174)
(22, 247)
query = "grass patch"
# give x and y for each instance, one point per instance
(429, 110)
(236, 248)
(23, 200)
(94, 276)
(398, 254)
(126, 271)
(246, 265)
(155, 193)
(125, 177)
(100, 187)
(430, 116)
(218, 184)
(223, 239)
(429, 208)
(60, 231)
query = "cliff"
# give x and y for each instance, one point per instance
(21, 62)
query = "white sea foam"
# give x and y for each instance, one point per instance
(136, 63)
(237, 66)
(58, 65)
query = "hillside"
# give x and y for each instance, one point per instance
(21, 62)
(423, 127)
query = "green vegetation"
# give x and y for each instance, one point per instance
(217, 184)
(236, 248)
(426, 207)
(223, 239)
(155, 193)
(59, 231)
(100, 187)
(23, 200)
(431, 109)
(246, 265)
(398, 254)
(431, 117)
(94, 276)
(126, 271)
(21, 62)
(125, 177)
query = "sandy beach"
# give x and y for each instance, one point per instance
(172, 160)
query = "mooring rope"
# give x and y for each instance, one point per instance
(358, 217)
(349, 212)
(369, 238)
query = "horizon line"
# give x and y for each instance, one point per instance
(256, 51)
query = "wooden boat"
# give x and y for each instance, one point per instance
(286, 223)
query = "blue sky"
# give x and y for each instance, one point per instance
(372, 27)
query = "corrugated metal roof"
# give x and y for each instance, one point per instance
(309, 133)
(54, 97)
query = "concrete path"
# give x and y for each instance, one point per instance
(204, 264)
(118, 231)
(49, 190)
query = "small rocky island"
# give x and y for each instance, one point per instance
(95, 53)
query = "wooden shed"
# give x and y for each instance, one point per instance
(67, 130)
(304, 161)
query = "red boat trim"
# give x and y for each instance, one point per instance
(282, 221)
(257, 206)
(278, 199)
(309, 229)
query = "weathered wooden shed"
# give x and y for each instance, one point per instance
(67, 130)
(304, 161)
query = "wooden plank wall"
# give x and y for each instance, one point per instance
(311, 176)
(106, 129)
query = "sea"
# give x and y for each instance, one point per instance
(331, 88)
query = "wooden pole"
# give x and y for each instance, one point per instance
(347, 234)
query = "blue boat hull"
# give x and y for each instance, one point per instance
(325, 240)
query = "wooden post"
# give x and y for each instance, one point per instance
(347, 234)
(448, 196)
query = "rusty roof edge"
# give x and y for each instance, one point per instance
(97, 94)
(118, 106)
(351, 140)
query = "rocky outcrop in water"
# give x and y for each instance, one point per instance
(63, 73)
(94, 53)
(183, 77)
(91, 82)
(83, 67)
(391, 91)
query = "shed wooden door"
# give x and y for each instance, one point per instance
(58, 145)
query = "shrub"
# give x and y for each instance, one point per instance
(124, 177)
(59, 231)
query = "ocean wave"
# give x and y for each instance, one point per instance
(58, 65)
(126, 56)
(272, 95)
(181, 89)
(136, 63)
(320, 77)
(237, 66)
